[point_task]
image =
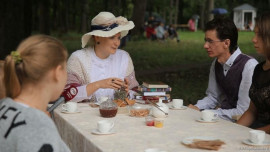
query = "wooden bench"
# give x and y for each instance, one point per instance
(182, 26)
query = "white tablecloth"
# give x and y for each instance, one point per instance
(132, 135)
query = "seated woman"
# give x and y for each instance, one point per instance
(100, 68)
(258, 114)
(35, 74)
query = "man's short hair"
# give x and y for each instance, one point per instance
(225, 29)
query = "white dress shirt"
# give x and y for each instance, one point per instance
(215, 96)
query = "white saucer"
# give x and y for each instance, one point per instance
(212, 121)
(67, 112)
(96, 132)
(248, 142)
(181, 108)
(189, 140)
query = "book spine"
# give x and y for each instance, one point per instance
(154, 93)
(154, 97)
(144, 89)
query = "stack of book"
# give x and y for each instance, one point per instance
(153, 91)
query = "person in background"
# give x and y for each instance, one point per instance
(160, 32)
(258, 114)
(100, 68)
(230, 73)
(35, 74)
(191, 25)
(173, 33)
(150, 32)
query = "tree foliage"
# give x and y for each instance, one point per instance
(21, 18)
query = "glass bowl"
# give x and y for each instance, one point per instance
(139, 110)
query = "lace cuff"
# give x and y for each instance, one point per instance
(132, 80)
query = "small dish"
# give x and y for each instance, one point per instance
(181, 108)
(96, 132)
(190, 140)
(67, 112)
(248, 142)
(201, 120)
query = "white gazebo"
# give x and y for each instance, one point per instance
(244, 17)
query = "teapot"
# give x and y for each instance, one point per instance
(108, 108)
(157, 112)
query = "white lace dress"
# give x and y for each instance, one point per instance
(85, 67)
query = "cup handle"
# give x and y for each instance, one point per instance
(64, 107)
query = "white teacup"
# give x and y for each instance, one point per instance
(177, 103)
(70, 106)
(105, 126)
(208, 115)
(257, 136)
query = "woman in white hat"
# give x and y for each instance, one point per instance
(100, 67)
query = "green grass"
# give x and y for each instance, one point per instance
(187, 62)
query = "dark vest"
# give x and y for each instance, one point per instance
(230, 83)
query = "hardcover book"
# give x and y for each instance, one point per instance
(155, 84)
(154, 93)
(140, 97)
(142, 88)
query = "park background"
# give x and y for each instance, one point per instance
(184, 66)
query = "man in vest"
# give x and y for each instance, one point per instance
(230, 73)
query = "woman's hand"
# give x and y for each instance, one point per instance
(126, 84)
(112, 83)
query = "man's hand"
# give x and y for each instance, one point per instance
(193, 107)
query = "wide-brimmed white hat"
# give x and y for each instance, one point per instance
(105, 24)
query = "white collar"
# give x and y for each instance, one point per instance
(98, 58)
(231, 59)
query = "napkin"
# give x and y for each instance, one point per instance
(206, 144)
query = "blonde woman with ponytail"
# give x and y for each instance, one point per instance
(35, 74)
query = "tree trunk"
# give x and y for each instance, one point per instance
(54, 14)
(106, 4)
(74, 14)
(202, 14)
(13, 26)
(171, 12)
(44, 25)
(210, 8)
(138, 16)
(124, 7)
(176, 12)
(180, 11)
(84, 16)
(27, 17)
